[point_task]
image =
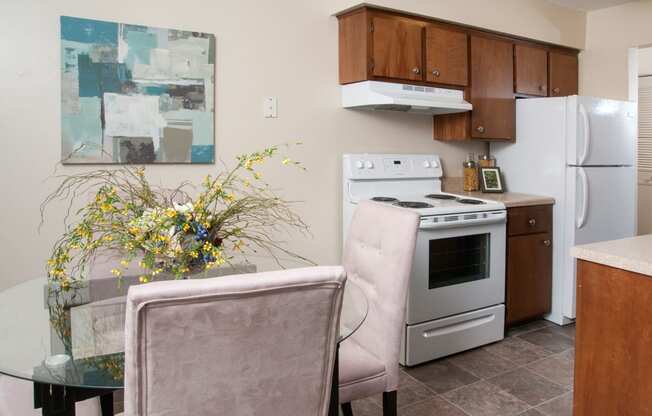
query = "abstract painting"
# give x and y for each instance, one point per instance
(135, 94)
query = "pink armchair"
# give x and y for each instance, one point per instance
(255, 344)
(377, 257)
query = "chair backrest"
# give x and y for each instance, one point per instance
(378, 257)
(254, 344)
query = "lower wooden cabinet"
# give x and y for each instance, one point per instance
(529, 263)
(613, 360)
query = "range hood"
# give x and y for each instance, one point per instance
(375, 95)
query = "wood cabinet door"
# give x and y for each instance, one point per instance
(563, 74)
(397, 48)
(492, 89)
(531, 70)
(447, 56)
(529, 276)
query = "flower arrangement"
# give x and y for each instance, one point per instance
(166, 230)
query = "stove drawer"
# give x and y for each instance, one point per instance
(436, 339)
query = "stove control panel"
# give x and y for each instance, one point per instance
(388, 166)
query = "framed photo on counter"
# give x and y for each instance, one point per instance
(491, 180)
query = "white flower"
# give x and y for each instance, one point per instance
(185, 208)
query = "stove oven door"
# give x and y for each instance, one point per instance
(459, 265)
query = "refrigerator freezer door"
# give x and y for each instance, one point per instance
(600, 132)
(601, 206)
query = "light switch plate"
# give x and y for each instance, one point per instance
(270, 107)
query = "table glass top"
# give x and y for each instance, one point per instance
(77, 338)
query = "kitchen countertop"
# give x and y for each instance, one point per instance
(510, 199)
(631, 254)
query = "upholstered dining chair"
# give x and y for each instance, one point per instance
(378, 258)
(254, 344)
(17, 399)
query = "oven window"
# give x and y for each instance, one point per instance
(458, 260)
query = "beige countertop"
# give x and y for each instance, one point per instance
(631, 254)
(510, 199)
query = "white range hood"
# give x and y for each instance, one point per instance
(375, 95)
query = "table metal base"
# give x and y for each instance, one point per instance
(334, 407)
(56, 400)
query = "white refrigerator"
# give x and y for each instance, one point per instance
(580, 151)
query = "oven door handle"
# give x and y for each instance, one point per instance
(459, 220)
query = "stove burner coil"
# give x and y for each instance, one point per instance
(384, 199)
(470, 201)
(440, 196)
(412, 204)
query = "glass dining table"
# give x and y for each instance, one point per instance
(70, 344)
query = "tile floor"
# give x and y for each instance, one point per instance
(529, 373)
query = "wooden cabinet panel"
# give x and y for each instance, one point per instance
(353, 61)
(529, 277)
(530, 70)
(447, 56)
(529, 220)
(492, 89)
(563, 74)
(613, 363)
(397, 48)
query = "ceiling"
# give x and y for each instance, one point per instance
(588, 5)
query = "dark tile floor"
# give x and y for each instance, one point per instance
(529, 373)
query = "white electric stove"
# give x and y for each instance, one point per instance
(457, 288)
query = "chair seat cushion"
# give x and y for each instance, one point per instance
(361, 374)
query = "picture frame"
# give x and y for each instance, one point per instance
(491, 180)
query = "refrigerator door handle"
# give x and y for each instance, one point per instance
(581, 219)
(587, 134)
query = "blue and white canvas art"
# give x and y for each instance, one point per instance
(135, 94)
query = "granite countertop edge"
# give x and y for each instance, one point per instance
(513, 199)
(610, 253)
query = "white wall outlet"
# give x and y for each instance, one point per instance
(270, 107)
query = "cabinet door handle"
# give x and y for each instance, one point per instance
(416, 70)
(436, 72)
(480, 129)
(532, 222)
(556, 90)
(547, 243)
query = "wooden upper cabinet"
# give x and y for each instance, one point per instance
(447, 56)
(397, 48)
(530, 70)
(492, 89)
(563, 74)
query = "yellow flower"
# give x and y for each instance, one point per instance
(143, 279)
(116, 272)
(257, 175)
(134, 230)
(246, 183)
(229, 197)
(248, 164)
(207, 180)
(286, 161)
(186, 227)
(106, 207)
(124, 263)
(171, 213)
(108, 238)
(194, 254)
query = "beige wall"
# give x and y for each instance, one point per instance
(283, 48)
(609, 34)
(645, 61)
